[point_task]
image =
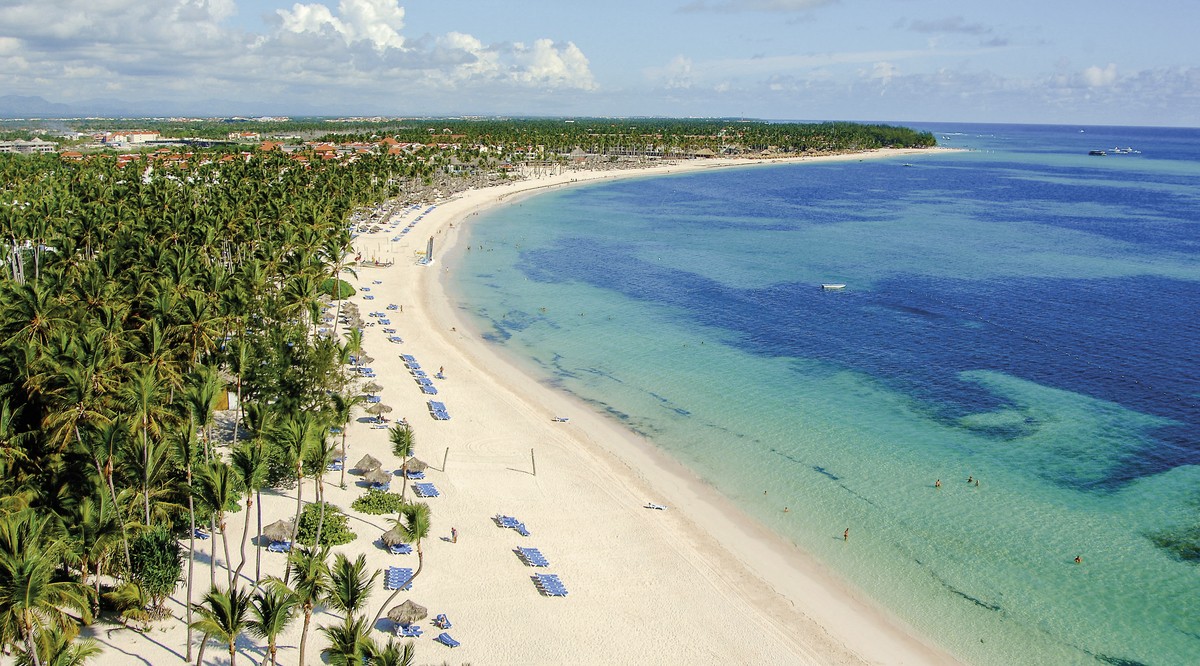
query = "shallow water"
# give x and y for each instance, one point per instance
(1023, 314)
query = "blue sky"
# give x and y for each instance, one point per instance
(1052, 61)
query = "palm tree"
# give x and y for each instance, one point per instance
(274, 609)
(32, 599)
(342, 412)
(403, 441)
(250, 464)
(349, 642)
(320, 455)
(311, 573)
(57, 648)
(145, 398)
(414, 525)
(223, 616)
(259, 419)
(296, 435)
(185, 449)
(349, 586)
(216, 487)
(393, 653)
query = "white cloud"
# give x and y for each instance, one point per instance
(376, 21)
(884, 71)
(1097, 77)
(754, 5)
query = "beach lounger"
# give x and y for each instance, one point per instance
(561, 419)
(533, 557)
(550, 585)
(442, 621)
(393, 306)
(415, 475)
(428, 390)
(279, 547)
(386, 322)
(335, 466)
(444, 639)
(400, 549)
(395, 338)
(425, 490)
(411, 631)
(398, 578)
(376, 281)
(407, 358)
(506, 521)
(364, 289)
(373, 399)
(520, 528)
(389, 330)
(368, 297)
(200, 534)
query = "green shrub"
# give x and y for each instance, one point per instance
(346, 290)
(157, 563)
(335, 532)
(378, 502)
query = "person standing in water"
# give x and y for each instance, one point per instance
(846, 535)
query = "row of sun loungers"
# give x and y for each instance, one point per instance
(533, 557)
(398, 578)
(279, 547)
(425, 490)
(550, 585)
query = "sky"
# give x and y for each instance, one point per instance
(1022, 61)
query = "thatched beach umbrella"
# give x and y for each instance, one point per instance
(372, 387)
(392, 537)
(379, 409)
(364, 359)
(377, 476)
(367, 464)
(280, 530)
(416, 465)
(407, 613)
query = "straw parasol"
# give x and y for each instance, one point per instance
(407, 613)
(367, 464)
(379, 409)
(280, 530)
(392, 537)
(377, 476)
(366, 358)
(416, 465)
(372, 387)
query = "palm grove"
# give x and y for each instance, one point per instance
(130, 300)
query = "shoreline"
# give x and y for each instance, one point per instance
(826, 619)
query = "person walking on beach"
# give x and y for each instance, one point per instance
(453, 535)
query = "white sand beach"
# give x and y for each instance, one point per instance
(698, 582)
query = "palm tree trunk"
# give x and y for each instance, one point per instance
(304, 635)
(233, 651)
(212, 554)
(203, 644)
(345, 454)
(296, 519)
(112, 490)
(320, 493)
(146, 470)
(191, 564)
(245, 531)
(404, 478)
(32, 648)
(258, 546)
(228, 561)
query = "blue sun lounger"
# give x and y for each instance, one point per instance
(428, 390)
(550, 585)
(407, 358)
(411, 631)
(413, 474)
(442, 621)
(398, 578)
(200, 534)
(520, 528)
(533, 557)
(444, 639)
(279, 547)
(425, 490)
(506, 521)
(400, 549)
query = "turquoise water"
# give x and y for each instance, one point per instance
(1022, 314)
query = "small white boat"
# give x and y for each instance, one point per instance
(831, 286)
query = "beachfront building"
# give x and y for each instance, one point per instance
(28, 147)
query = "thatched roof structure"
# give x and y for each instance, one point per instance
(280, 530)
(416, 465)
(407, 613)
(377, 476)
(367, 464)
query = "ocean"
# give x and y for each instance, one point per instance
(1009, 380)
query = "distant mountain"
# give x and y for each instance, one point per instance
(19, 106)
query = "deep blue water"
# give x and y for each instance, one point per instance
(1022, 310)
